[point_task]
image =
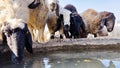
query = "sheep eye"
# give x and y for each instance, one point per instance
(7, 33)
(16, 30)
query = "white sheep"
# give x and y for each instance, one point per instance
(26, 10)
(14, 9)
(55, 10)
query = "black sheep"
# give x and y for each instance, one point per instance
(17, 36)
(76, 25)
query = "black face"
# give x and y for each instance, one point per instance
(66, 28)
(110, 23)
(17, 39)
(108, 20)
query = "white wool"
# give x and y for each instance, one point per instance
(49, 2)
(14, 9)
(66, 15)
(16, 23)
(103, 32)
(53, 1)
(105, 29)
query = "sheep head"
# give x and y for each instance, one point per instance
(109, 20)
(17, 36)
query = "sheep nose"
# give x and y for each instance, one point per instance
(66, 27)
(109, 30)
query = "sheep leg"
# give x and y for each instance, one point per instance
(40, 35)
(32, 34)
(77, 34)
(35, 31)
(66, 34)
(83, 33)
(61, 33)
(57, 27)
(95, 35)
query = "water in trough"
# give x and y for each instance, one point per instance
(69, 59)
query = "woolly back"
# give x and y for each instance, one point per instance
(92, 20)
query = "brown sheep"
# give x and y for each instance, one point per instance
(33, 12)
(54, 9)
(37, 21)
(95, 21)
(14, 9)
(92, 20)
(51, 21)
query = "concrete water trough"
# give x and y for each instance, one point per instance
(74, 44)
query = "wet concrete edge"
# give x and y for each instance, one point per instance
(73, 44)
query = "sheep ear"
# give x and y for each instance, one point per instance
(4, 39)
(34, 4)
(103, 22)
(28, 40)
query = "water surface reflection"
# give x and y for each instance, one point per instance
(89, 59)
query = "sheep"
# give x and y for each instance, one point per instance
(53, 13)
(77, 24)
(14, 15)
(63, 22)
(51, 21)
(106, 16)
(53, 6)
(72, 28)
(37, 20)
(14, 9)
(62, 13)
(33, 12)
(73, 9)
(95, 21)
(64, 17)
(16, 35)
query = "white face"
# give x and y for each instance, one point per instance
(53, 1)
(66, 16)
(52, 4)
(66, 20)
(15, 23)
